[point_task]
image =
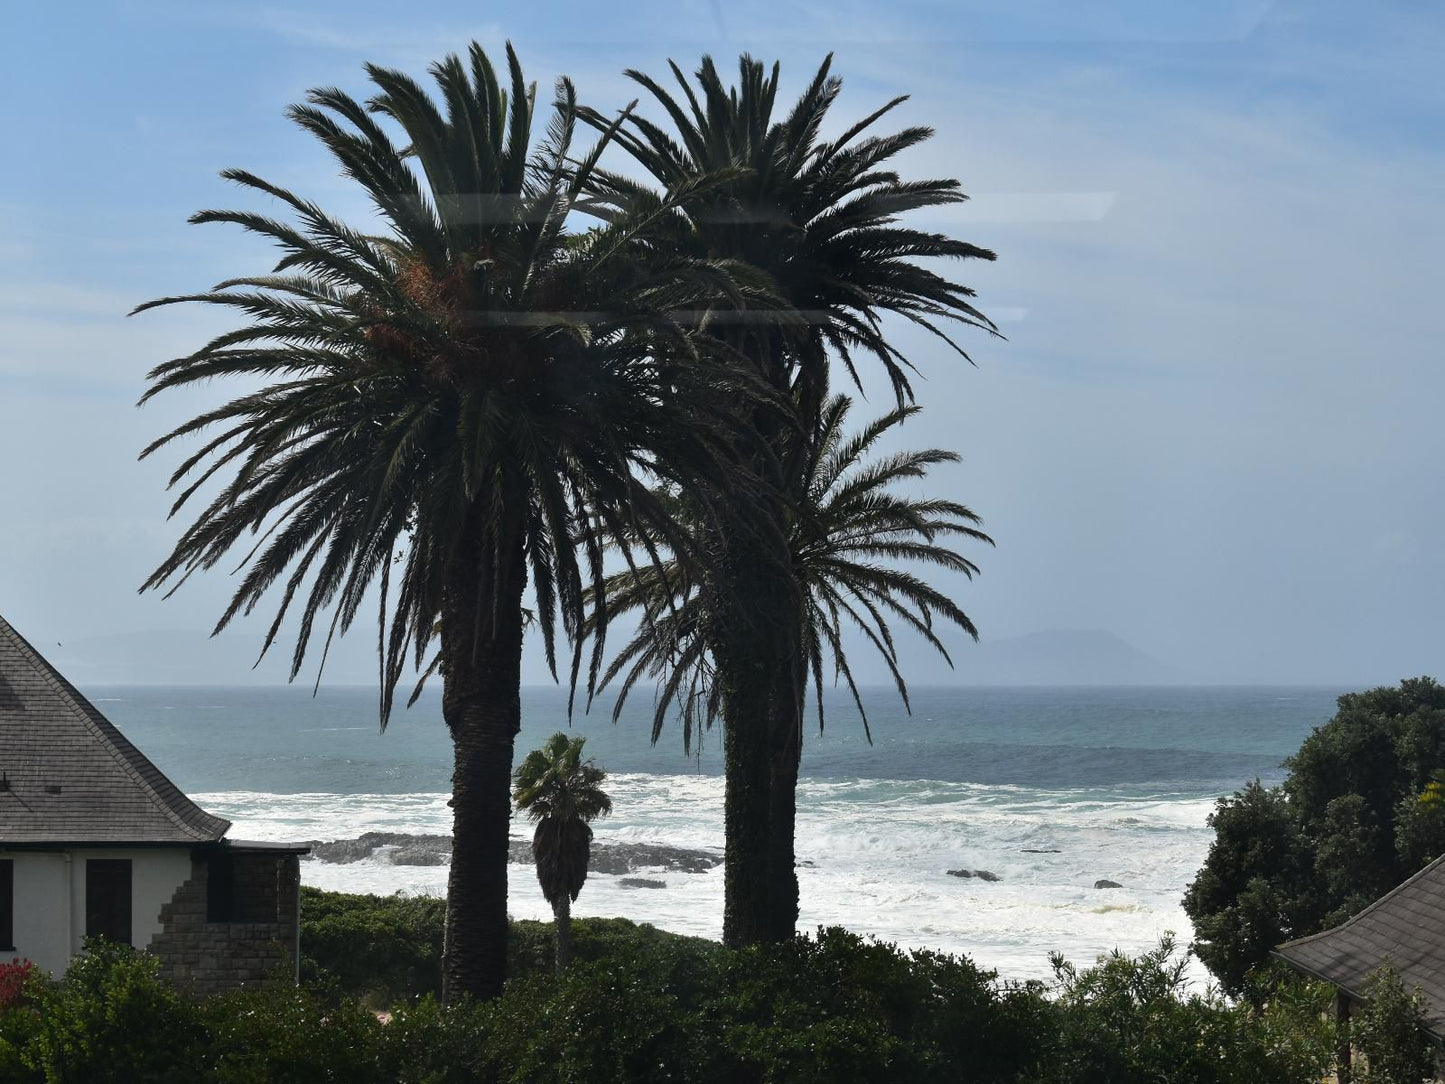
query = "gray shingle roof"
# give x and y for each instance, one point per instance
(69, 776)
(1406, 926)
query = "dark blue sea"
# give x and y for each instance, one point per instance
(1048, 788)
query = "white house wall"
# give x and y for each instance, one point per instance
(49, 933)
(41, 911)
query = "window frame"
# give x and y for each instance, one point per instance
(96, 870)
(7, 905)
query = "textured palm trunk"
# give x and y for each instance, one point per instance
(562, 912)
(758, 651)
(482, 658)
(756, 655)
(785, 743)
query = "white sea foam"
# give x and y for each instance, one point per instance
(873, 854)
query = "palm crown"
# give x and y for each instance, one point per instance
(845, 540)
(474, 353)
(819, 216)
(555, 783)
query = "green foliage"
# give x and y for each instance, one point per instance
(380, 949)
(833, 1008)
(289, 1035)
(1355, 816)
(532, 944)
(22, 986)
(1133, 1019)
(1256, 886)
(642, 1005)
(1388, 1030)
(113, 1020)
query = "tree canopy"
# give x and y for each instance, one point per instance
(1353, 818)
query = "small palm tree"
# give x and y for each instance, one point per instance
(563, 794)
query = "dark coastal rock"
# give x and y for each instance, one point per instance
(1041, 850)
(630, 857)
(981, 874)
(641, 882)
(421, 854)
(408, 849)
(418, 850)
(1101, 883)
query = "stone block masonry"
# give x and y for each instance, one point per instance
(209, 945)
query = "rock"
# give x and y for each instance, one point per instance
(1107, 884)
(981, 874)
(630, 857)
(421, 854)
(418, 847)
(408, 849)
(641, 882)
(1040, 850)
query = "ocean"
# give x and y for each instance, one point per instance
(1048, 789)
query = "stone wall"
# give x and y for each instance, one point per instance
(207, 957)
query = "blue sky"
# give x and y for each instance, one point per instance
(1212, 428)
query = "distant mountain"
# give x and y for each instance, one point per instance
(1062, 657)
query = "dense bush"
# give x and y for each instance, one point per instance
(642, 1005)
(1134, 1019)
(1388, 1031)
(1355, 816)
(379, 949)
(111, 1020)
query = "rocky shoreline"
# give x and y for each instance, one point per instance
(409, 849)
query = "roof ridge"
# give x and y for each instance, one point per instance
(200, 825)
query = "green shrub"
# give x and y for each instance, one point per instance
(1389, 1032)
(641, 1005)
(427, 1044)
(377, 949)
(21, 988)
(1133, 1019)
(289, 1035)
(113, 1019)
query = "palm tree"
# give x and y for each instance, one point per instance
(438, 411)
(563, 794)
(819, 217)
(845, 541)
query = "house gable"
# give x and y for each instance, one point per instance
(68, 776)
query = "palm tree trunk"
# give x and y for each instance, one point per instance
(785, 734)
(755, 660)
(482, 656)
(562, 912)
(758, 650)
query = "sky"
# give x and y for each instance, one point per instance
(1211, 425)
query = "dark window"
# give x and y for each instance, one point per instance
(220, 887)
(107, 899)
(7, 904)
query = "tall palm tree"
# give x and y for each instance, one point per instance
(820, 218)
(439, 411)
(563, 794)
(846, 539)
